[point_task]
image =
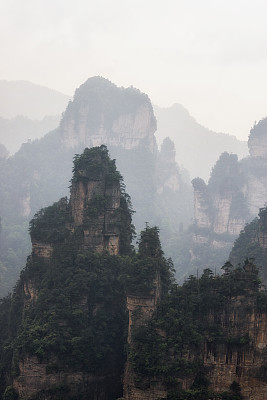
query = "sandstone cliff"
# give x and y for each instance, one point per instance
(141, 308)
(207, 340)
(235, 192)
(67, 236)
(102, 113)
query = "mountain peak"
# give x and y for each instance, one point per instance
(102, 113)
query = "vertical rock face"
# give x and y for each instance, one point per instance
(232, 183)
(109, 115)
(257, 167)
(94, 206)
(95, 201)
(242, 360)
(169, 176)
(257, 191)
(233, 196)
(224, 222)
(173, 194)
(228, 316)
(96, 219)
(236, 190)
(141, 309)
(219, 206)
(202, 213)
(219, 213)
(141, 306)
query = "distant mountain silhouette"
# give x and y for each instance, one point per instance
(20, 129)
(197, 147)
(30, 100)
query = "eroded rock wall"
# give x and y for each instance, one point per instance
(244, 358)
(141, 309)
(44, 378)
(235, 193)
(93, 121)
(91, 219)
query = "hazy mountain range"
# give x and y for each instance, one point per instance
(28, 111)
(30, 100)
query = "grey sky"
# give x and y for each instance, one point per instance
(208, 55)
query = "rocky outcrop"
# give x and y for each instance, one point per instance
(128, 123)
(224, 222)
(168, 174)
(218, 220)
(233, 196)
(233, 348)
(141, 309)
(45, 379)
(202, 212)
(95, 202)
(172, 194)
(43, 250)
(93, 219)
(94, 208)
(257, 191)
(244, 358)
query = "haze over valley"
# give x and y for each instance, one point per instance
(133, 200)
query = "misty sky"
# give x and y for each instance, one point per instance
(208, 55)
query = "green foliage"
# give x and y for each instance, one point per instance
(95, 164)
(79, 317)
(248, 245)
(80, 313)
(96, 206)
(10, 318)
(147, 263)
(183, 322)
(49, 224)
(149, 244)
(126, 228)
